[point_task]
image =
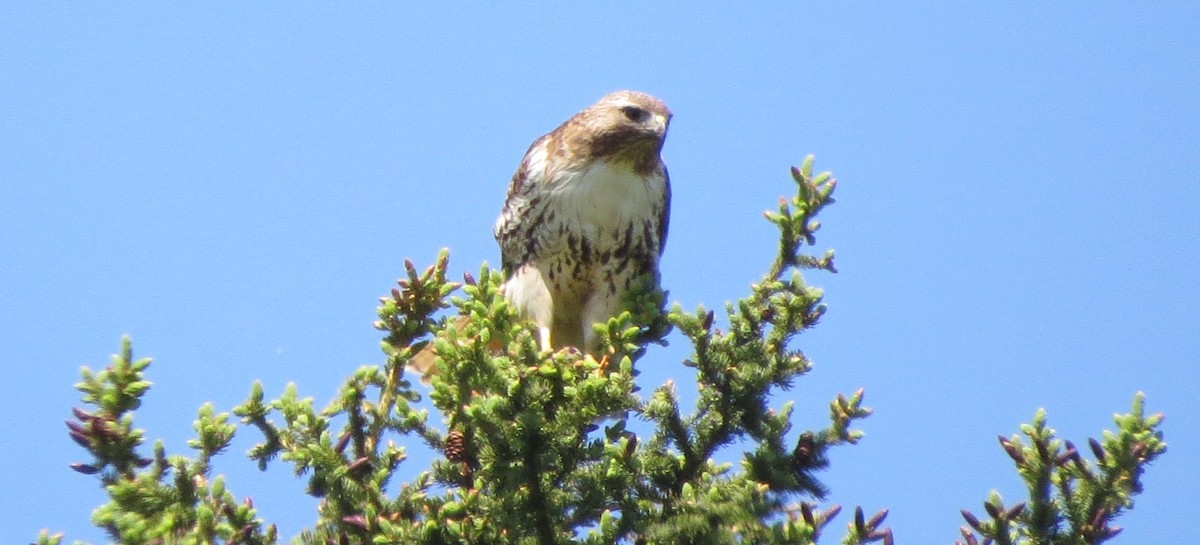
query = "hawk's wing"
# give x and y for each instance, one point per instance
(522, 210)
(664, 217)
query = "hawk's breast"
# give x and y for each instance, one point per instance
(603, 198)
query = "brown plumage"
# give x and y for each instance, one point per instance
(586, 216)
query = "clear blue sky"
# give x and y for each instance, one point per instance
(235, 184)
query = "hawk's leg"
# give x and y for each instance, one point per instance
(528, 292)
(604, 303)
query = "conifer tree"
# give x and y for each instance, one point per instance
(540, 448)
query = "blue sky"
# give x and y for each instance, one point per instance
(235, 184)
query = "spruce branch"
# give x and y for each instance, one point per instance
(159, 499)
(1071, 500)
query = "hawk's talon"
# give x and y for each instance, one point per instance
(569, 351)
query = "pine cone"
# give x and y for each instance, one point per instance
(456, 446)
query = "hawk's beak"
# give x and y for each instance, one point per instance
(661, 122)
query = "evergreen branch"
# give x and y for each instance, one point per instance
(152, 499)
(1068, 504)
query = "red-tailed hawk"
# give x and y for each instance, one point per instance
(586, 217)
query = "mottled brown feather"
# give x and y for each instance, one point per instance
(586, 216)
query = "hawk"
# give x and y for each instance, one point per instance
(586, 217)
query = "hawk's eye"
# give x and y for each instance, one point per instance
(635, 114)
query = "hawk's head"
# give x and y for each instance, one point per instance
(625, 127)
